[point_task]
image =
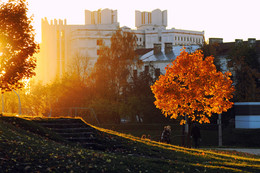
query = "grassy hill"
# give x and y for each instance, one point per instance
(25, 146)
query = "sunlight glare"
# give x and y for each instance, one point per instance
(27, 87)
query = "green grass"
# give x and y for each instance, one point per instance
(27, 147)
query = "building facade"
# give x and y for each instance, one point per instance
(62, 42)
(155, 60)
(151, 28)
(247, 115)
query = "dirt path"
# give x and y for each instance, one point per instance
(245, 150)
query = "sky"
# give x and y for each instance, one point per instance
(227, 19)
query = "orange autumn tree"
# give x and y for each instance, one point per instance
(193, 87)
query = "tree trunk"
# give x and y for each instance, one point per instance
(183, 136)
(188, 134)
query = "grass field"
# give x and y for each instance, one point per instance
(27, 147)
(231, 137)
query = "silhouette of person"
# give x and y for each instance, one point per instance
(195, 134)
(165, 137)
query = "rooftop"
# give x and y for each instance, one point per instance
(147, 55)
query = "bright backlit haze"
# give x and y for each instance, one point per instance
(227, 19)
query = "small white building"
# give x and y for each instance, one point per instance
(155, 60)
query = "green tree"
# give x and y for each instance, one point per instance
(212, 50)
(140, 99)
(113, 68)
(245, 67)
(34, 100)
(58, 97)
(114, 65)
(80, 68)
(17, 45)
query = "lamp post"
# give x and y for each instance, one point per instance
(20, 105)
(219, 131)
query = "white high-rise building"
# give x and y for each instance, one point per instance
(156, 18)
(151, 28)
(62, 42)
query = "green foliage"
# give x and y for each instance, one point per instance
(110, 77)
(246, 53)
(245, 67)
(141, 99)
(212, 50)
(107, 111)
(68, 92)
(114, 66)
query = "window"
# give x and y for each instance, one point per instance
(146, 69)
(230, 64)
(149, 18)
(143, 17)
(160, 38)
(99, 17)
(93, 18)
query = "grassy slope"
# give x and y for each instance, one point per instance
(26, 146)
(209, 132)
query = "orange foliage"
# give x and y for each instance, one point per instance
(192, 86)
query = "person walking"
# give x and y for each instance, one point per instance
(165, 137)
(195, 135)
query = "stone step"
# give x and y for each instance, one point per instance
(60, 121)
(73, 130)
(71, 125)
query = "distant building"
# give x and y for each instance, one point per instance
(215, 40)
(223, 50)
(151, 28)
(247, 115)
(155, 60)
(61, 42)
